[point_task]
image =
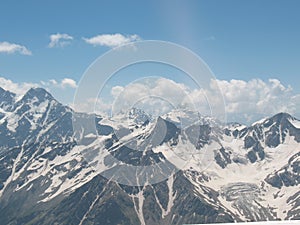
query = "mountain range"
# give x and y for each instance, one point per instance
(187, 168)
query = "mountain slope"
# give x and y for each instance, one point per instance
(197, 169)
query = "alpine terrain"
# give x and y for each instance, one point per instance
(214, 172)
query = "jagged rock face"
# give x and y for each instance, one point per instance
(269, 133)
(287, 176)
(7, 99)
(236, 173)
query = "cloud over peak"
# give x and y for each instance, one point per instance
(22, 87)
(112, 40)
(245, 101)
(10, 48)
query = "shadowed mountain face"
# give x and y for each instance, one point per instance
(230, 172)
(7, 99)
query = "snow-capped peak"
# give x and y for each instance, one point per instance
(139, 116)
(38, 94)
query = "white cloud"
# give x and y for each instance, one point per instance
(258, 96)
(62, 90)
(59, 40)
(156, 96)
(245, 101)
(111, 40)
(9, 48)
(68, 82)
(52, 81)
(251, 100)
(62, 84)
(17, 88)
(116, 90)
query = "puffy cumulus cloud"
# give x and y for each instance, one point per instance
(169, 89)
(53, 82)
(62, 90)
(68, 82)
(258, 96)
(160, 95)
(61, 84)
(248, 101)
(244, 101)
(17, 88)
(156, 96)
(59, 40)
(116, 90)
(111, 40)
(10, 48)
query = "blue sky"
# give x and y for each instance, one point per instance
(244, 40)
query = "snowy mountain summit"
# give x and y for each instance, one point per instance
(179, 168)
